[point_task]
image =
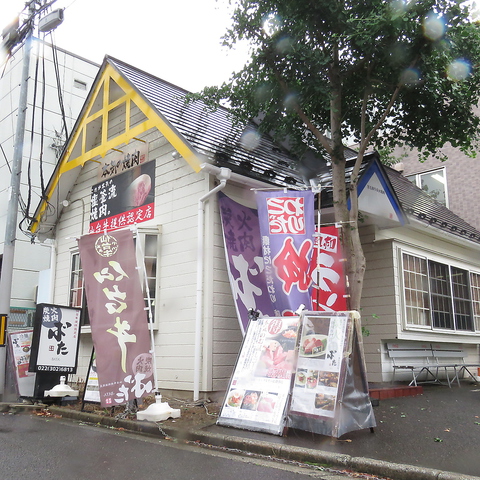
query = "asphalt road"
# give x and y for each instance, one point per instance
(39, 448)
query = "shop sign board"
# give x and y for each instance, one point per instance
(259, 390)
(304, 372)
(124, 199)
(56, 336)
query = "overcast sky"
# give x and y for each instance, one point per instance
(177, 40)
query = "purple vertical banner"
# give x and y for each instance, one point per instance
(287, 227)
(117, 316)
(243, 248)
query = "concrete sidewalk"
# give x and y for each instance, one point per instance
(431, 436)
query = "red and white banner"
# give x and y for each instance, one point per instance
(117, 316)
(328, 273)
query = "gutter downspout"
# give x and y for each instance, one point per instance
(223, 174)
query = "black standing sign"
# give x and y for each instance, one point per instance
(330, 392)
(56, 336)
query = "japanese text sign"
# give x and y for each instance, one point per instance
(328, 275)
(123, 200)
(114, 165)
(241, 232)
(55, 340)
(117, 316)
(287, 232)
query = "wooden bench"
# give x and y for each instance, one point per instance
(429, 359)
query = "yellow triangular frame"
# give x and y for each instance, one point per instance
(90, 138)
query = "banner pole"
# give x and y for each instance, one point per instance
(150, 316)
(317, 189)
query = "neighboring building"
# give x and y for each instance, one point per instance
(69, 77)
(415, 247)
(453, 182)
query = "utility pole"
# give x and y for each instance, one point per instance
(47, 23)
(14, 193)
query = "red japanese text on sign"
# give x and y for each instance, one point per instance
(286, 215)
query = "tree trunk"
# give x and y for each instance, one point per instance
(350, 237)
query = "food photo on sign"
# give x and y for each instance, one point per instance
(123, 200)
(315, 387)
(258, 393)
(277, 359)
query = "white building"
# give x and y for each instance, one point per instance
(197, 336)
(54, 74)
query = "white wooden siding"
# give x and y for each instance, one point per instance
(382, 299)
(177, 190)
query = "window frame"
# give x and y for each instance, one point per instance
(417, 179)
(139, 233)
(454, 300)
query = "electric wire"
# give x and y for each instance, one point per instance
(26, 213)
(22, 34)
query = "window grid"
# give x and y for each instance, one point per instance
(150, 255)
(76, 282)
(416, 290)
(440, 296)
(77, 292)
(475, 289)
(461, 299)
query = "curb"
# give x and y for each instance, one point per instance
(393, 471)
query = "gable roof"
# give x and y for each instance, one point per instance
(420, 206)
(149, 102)
(200, 135)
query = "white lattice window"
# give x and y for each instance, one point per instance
(440, 296)
(475, 287)
(416, 290)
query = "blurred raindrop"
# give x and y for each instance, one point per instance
(263, 93)
(397, 8)
(434, 27)
(459, 70)
(398, 54)
(290, 100)
(410, 77)
(250, 139)
(272, 24)
(284, 45)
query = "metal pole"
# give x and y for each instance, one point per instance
(11, 226)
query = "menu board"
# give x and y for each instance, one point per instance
(20, 348)
(259, 389)
(305, 372)
(317, 379)
(330, 392)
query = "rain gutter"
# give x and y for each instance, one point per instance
(223, 174)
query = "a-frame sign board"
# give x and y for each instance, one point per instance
(304, 372)
(259, 391)
(330, 392)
